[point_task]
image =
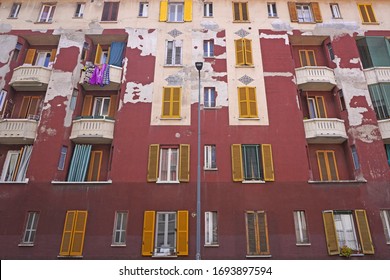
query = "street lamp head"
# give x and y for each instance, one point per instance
(199, 65)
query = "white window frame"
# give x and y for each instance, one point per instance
(120, 226)
(15, 9)
(170, 164)
(209, 154)
(208, 9)
(211, 228)
(344, 224)
(335, 9)
(165, 250)
(174, 14)
(143, 9)
(49, 16)
(385, 216)
(99, 107)
(43, 58)
(61, 162)
(208, 48)
(7, 165)
(30, 229)
(304, 12)
(171, 56)
(271, 8)
(301, 228)
(212, 100)
(313, 114)
(80, 7)
(3, 95)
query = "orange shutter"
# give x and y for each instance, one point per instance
(53, 55)
(34, 106)
(87, 106)
(98, 54)
(182, 233)
(237, 163)
(330, 233)
(316, 11)
(268, 165)
(79, 233)
(24, 108)
(95, 163)
(240, 59)
(248, 51)
(293, 11)
(153, 163)
(184, 172)
(187, 10)
(148, 233)
(30, 56)
(112, 106)
(321, 109)
(67, 233)
(364, 232)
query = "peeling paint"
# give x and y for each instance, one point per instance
(366, 133)
(280, 25)
(274, 36)
(48, 131)
(355, 60)
(210, 25)
(143, 40)
(278, 74)
(337, 28)
(136, 93)
(7, 43)
(5, 27)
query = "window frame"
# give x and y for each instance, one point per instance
(342, 229)
(307, 58)
(210, 159)
(335, 10)
(3, 95)
(244, 52)
(172, 250)
(15, 10)
(30, 229)
(171, 153)
(174, 14)
(50, 14)
(171, 102)
(246, 102)
(301, 228)
(258, 234)
(105, 100)
(62, 160)
(171, 49)
(242, 12)
(300, 11)
(366, 14)
(385, 217)
(271, 9)
(80, 8)
(316, 107)
(121, 230)
(209, 98)
(143, 9)
(111, 6)
(327, 167)
(208, 9)
(208, 48)
(211, 228)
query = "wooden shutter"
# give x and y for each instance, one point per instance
(95, 163)
(67, 233)
(53, 55)
(268, 166)
(35, 102)
(316, 11)
(322, 166)
(164, 10)
(244, 11)
(330, 233)
(262, 228)
(237, 171)
(148, 233)
(332, 166)
(184, 167)
(293, 11)
(98, 54)
(303, 58)
(370, 12)
(78, 233)
(251, 102)
(87, 106)
(112, 106)
(242, 102)
(187, 10)
(248, 51)
(240, 59)
(364, 232)
(321, 109)
(175, 102)
(153, 163)
(30, 56)
(182, 233)
(311, 58)
(251, 236)
(24, 107)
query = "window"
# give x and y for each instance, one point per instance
(74, 232)
(3, 95)
(355, 157)
(85, 164)
(247, 103)
(61, 162)
(99, 106)
(340, 231)
(31, 228)
(73, 99)
(272, 10)
(169, 163)
(334, 8)
(252, 162)
(367, 13)
(102, 55)
(110, 11)
(143, 9)
(304, 12)
(176, 11)
(385, 216)
(120, 225)
(173, 53)
(47, 12)
(209, 97)
(211, 228)
(380, 96)
(256, 233)
(79, 13)
(16, 53)
(208, 48)
(330, 51)
(243, 52)
(387, 148)
(30, 108)
(84, 51)
(317, 107)
(171, 102)
(165, 233)
(15, 10)
(43, 58)
(342, 100)
(301, 231)
(16, 164)
(307, 58)
(327, 165)
(240, 11)
(210, 157)
(208, 9)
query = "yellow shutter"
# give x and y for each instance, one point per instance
(175, 102)
(321, 109)
(303, 58)
(30, 56)
(166, 102)
(311, 58)
(164, 10)
(370, 12)
(364, 232)
(236, 11)
(248, 51)
(316, 11)
(98, 54)
(24, 108)
(67, 233)
(153, 163)
(53, 55)
(330, 233)
(237, 163)
(182, 233)
(148, 233)
(95, 163)
(332, 166)
(184, 167)
(112, 106)
(293, 11)
(87, 106)
(187, 10)
(251, 102)
(240, 59)
(78, 233)
(242, 102)
(268, 165)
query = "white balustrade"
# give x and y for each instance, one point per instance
(30, 75)
(377, 75)
(92, 131)
(17, 131)
(325, 130)
(384, 128)
(315, 77)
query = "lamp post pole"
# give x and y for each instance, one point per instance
(199, 66)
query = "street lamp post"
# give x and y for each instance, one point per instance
(199, 66)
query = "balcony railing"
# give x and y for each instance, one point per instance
(325, 131)
(18, 131)
(31, 78)
(377, 75)
(115, 75)
(93, 131)
(384, 128)
(318, 78)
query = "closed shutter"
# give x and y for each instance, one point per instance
(67, 233)
(237, 171)
(184, 167)
(148, 233)
(34, 106)
(240, 59)
(293, 11)
(316, 11)
(153, 163)
(53, 55)
(236, 11)
(242, 102)
(175, 102)
(163, 10)
(113, 105)
(333, 172)
(251, 235)
(248, 51)
(79, 233)
(95, 163)
(322, 166)
(182, 233)
(30, 56)
(321, 109)
(187, 10)
(87, 106)
(252, 104)
(268, 166)
(263, 232)
(98, 54)
(370, 12)
(166, 102)
(364, 232)
(330, 233)
(244, 11)
(24, 107)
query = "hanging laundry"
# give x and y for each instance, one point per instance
(97, 76)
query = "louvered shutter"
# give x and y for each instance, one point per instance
(243, 102)
(321, 109)
(316, 11)
(30, 56)
(251, 102)
(87, 106)
(175, 102)
(322, 166)
(67, 233)
(251, 236)
(112, 106)
(364, 232)
(79, 233)
(370, 12)
(293, 11)
(182, 233)
(237, 171)
(53, 55)
(153, 163)
(248, 51)
(98, 54)
(268, 166)
(236, 11)
(24, 107)
(330, 233)
(187, 10)
(184, 171)
(163, 10)
(240, 59)
(95, 163)
(263, 232)
(34, 106)
(166, 102)
(148, 233)
(333, 173)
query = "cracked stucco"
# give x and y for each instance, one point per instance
(142, 39)
(7, 43)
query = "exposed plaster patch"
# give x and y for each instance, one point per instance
(366, 133)
(275, 36)
(39, 30)
(355, 115)
(280, 25)
(143, 40)
(211, 25)
(337, 28)
(124, 69)
(355, 60)
(136, 93)
(5, 28)
(277, 74)
(95, 28)
(48, 131)
(7, 43)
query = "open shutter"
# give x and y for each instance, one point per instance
(240, 59)
(184, 167)
(67, 233)
(237, 163)
(187, 10)
(53, 55)
(164, 10)
(321, 109)
(30, 56)
(316, 11)
(24, 107)
(153, 163)
(79, 233)
(251, 235)
(182, 233)
(248, 51)
(370, 12)
(113, 105)
(268, 165)
(148, 233)
(263, 232)
(34, 106)
(87, 106)
(293, 11)
(364, 232)
(330, 233)
(98, 54)
(95, 163)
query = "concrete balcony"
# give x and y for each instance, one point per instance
(377, 75)
(18, 131)
(30, 78)
(325, 131)
(384, 128)
(92, 131)
(115, 80)
(315, 78)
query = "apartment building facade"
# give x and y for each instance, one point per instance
(98, 129)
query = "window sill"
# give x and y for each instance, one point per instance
(337, 18)
(167, 182)
(258, 256)
(26, 244)
(303, 244)
(142, 16)
(175, 21)
(118, 245)
(82, 183)
(173, 65)
(212, 108)
(43, 22)
(211, 245)
(108, 21)
(15, 182)
(273, 17)
(245, 66)
(249, 119)
(69, 257)
(306, 22)
(253, 182)
(170, 119)
(77, 17)
(241, 21)
(164, 256)
(370, 23)
(210, 169)
(338, 182)
(12, 18)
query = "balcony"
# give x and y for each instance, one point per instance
(18, 131)
(115, 80)
(377, 75)
(315, 78)
(93, 131)
(325, 131)
(30, 78)
(384, 128)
